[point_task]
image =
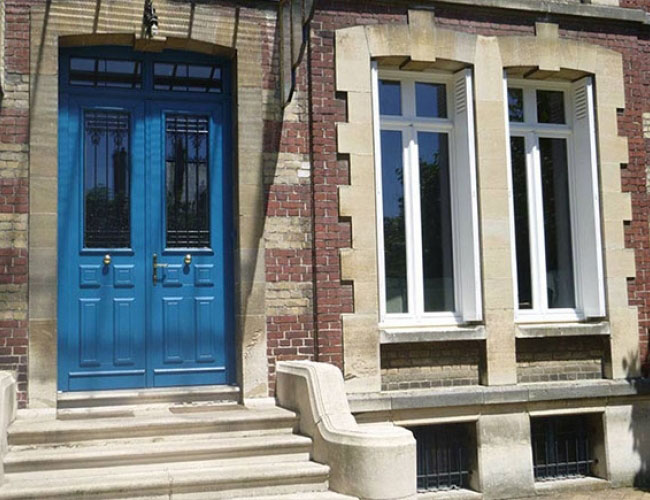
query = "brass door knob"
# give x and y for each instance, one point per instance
(187, 259)
(107, 259)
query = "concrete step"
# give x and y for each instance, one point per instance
(238, 419)
(125, 410)
(213, 393)
(93, 454)
(314, 495)
(182, 480)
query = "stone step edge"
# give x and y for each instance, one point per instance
(31, 432)
(186, 394)
(169, 481)
(133, 410)
(57, 458)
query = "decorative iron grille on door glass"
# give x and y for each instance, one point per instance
(561, 447)
(188, 197)
(106, 179)
(443, 457)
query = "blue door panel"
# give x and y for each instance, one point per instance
(123, 332)
(205, 329)
(172, 330)
(118, 326)
(89, 331)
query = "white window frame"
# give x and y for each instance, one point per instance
(409, 125)
(532, 132)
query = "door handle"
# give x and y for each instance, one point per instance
(107, 260)
(155, 268)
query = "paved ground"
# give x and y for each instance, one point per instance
(618, 494)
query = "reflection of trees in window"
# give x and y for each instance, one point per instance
(106, 180)
(395, 241)
(435, 209)
(557, 223)
(522, 230)
(187, 181)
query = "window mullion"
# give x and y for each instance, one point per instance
(530, 106)
(408, 98)
(540, 301)
(415, 241)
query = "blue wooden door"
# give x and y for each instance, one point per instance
(145, 223)
(189, 210)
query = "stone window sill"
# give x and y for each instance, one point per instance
(570, 485)
(562, 330)
(450, 495)
(433, 334)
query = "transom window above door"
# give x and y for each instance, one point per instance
(554, 176)
(162, 73)
(426, 198)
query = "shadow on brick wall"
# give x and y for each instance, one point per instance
(640, 423)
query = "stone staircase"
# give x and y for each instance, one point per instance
(161, 444)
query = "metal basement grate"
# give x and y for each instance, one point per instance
(561, 447)
(442, 457)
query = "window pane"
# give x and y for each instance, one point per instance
(557, 223)
(390, 98)
(112, 73)
(430, 100)
(180, 77)
(392, 178)
(188, 196)
(550, 106)
(522, 230)
(106, 179)
(435, 206)
(516, 105)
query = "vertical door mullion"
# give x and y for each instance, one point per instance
(147, 163)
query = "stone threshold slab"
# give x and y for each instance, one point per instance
(484, 395)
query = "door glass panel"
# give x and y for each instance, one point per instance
(522, 229)
(557, 223)
(435, 207)
(188, 196)
(392, 185)
(106, 179)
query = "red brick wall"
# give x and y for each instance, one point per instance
(289, 198)
(334, 297)
(14, 130)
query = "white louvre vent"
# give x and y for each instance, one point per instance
(461, 95)
(580, 99)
